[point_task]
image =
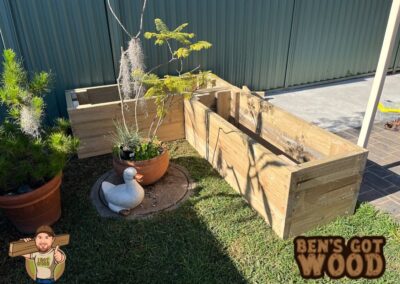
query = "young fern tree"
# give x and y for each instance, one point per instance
(163, 89)
(134, 83)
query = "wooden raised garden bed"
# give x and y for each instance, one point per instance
(94, 111)
(294, 174)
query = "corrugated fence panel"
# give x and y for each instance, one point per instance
(250, 38)
(396, 54)
(1, 50)
(9, 35)
(397, 60)
(70, 39)
(2, 109)
(264, 44)
(335, 39)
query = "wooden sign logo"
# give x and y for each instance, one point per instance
(332, 256)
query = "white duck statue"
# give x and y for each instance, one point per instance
(123, 196)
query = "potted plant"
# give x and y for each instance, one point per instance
(144, 151)
(32, 156)
(148, 156)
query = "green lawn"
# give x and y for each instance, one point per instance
(215, 237)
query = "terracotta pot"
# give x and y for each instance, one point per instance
(30, 210)
(148, 171)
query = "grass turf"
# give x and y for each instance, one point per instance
(215, 237)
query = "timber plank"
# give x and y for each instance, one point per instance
(312, 136)
(102, 94)
(224, 104)
(107, 126)
(324, 215)
(112, 110)
(21, 247)
(328, 165)
(90, 146)
(68, 99)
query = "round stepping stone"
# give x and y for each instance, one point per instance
(166, 194)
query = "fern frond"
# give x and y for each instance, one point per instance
(151, 80)
(200, 45)
(181, 27)
(164, 34)
(183, 38)
(161, 26)
(149, 35)
(182, 52)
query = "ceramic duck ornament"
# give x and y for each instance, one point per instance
(124, 196)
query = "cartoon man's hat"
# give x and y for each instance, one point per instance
(45, 229)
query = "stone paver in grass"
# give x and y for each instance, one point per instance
(381, 182)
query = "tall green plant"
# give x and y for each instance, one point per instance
(162, 89)
(141, 85)
(164, 36)
(30, 153)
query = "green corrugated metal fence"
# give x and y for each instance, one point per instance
(69, 38)
(396, 57)
(334, 39)
(250, 38)
(265, 44)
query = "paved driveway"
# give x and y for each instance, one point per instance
(336, 106)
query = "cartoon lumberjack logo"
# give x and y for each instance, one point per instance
(45, 261)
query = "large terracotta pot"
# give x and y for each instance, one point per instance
(30, 210)
(148, 171)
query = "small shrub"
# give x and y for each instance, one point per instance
(129, 145)
(31, 154)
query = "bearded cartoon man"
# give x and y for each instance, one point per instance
(46, 258)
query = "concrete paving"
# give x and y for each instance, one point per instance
(381, 181)
(339, 108)
(336, 106)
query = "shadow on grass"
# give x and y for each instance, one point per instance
(173, 247)
(196, 164)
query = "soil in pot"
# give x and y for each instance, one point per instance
(149, 171)
(41, 206)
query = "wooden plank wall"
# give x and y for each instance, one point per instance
(269, 121)
(272, 122)
(324, 190)
(102, 94)
(94, 124)
(260, 176)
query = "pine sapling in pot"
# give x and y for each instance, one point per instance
(32, 155)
